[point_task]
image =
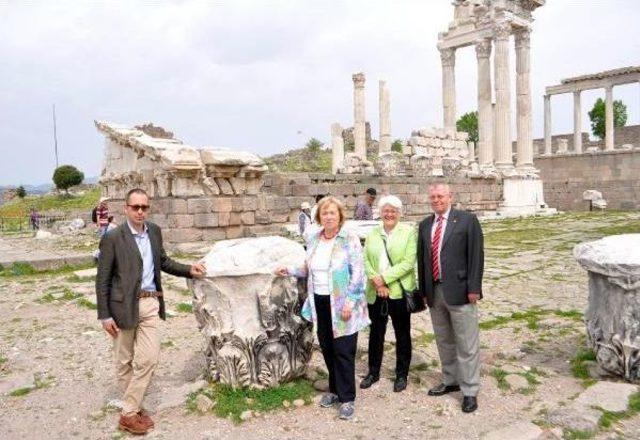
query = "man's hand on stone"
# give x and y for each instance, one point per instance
(473, 297)
(110, 326)
(198, 270)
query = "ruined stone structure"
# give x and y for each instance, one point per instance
(576, 85)
(249, 317)
(613, 314)
(385, 118)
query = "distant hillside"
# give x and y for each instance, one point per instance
(301, 160)
(51, 202)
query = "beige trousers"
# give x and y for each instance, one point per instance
(457, 338)
(136, 354)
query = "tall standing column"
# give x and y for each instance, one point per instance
(577, 123)
(547, 125)
(504, 149)
(359, 134)
(608, 125)
(523, 100)
(448, 57)
(485, 117)
(385, 120)
(337, 148)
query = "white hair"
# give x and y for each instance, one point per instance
(392, 201)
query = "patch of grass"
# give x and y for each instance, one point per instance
(500, 375)
(571, 434)
(423, 366)
(22, 269)
(424, 339)
(531, 317)
(608, 418)
(85, 303)
(184, 292)
(21, 207)
(184, 307)
(576, 315)
(19, 392)
(233, 402)
(67, 295)
(628, 227)
(19, 268)
(578, 367)
(167, 343)
(495, 322)
(3, 360)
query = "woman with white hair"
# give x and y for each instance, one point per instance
(389, 261)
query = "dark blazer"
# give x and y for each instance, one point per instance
(120, 274)
(461, 258)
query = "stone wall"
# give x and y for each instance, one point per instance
(192, 219)
(621, 136)
(614, 173)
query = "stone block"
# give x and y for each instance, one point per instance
(177, 206)
(180, 220)
(221, 204)
(214, 234)
(235, 219)
(262, 217)
(238, 184)
(159, 219)
(208, 220)
(234, 232)
(302, 190)
(224, 185)
(248, 218)
(223, 218)
(253, 186)
(182, 235)
(197, 206)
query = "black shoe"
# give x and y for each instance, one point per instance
(400, 384)
(442, 389)
(469, 404)
(369, 380)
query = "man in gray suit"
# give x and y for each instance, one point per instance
(131, 304)
(450, 268)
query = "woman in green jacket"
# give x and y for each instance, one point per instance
(389, 261)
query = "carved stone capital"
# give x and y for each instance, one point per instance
(502, 30)
(522, 38)
(358, 79)
(483, 48)
(448, 57)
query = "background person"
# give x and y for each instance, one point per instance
(364, 209)
(390, 257)
(335, 302)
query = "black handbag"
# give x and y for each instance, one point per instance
(415, 301)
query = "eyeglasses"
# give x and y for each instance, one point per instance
(144, 208)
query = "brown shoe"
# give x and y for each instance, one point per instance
(146, 419)
(132, 424)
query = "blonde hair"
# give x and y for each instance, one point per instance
(330, 200)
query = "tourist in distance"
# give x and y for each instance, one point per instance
(314, 208)
(389, 260)
(130, 303)
(102, 216)
(364, 209)
(450, 268)
(304, 218)
(336, 302)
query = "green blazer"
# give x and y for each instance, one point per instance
(402, 248)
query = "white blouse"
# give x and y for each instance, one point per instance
(319, 267)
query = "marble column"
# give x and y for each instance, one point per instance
(577, 123)
(337, 148)
(448, 58)
(485, 117)
(523, 101)
(359, 133)
(502, 140)
(609, 119)
(385, 120)
(547, 125)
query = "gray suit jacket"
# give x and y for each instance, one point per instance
(120, 274)
(461, 258)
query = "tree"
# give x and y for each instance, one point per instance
(397, 145)
(598, 117)
(21, 192)
(469, 124)
(314, 145)
(66, 176)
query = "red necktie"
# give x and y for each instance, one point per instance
(435, 245)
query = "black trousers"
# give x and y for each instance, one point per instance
(339, 353)
(401, 319)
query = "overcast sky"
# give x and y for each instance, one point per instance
(263, 75)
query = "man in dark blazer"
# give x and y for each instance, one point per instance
(131, 304)
(450, 268)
